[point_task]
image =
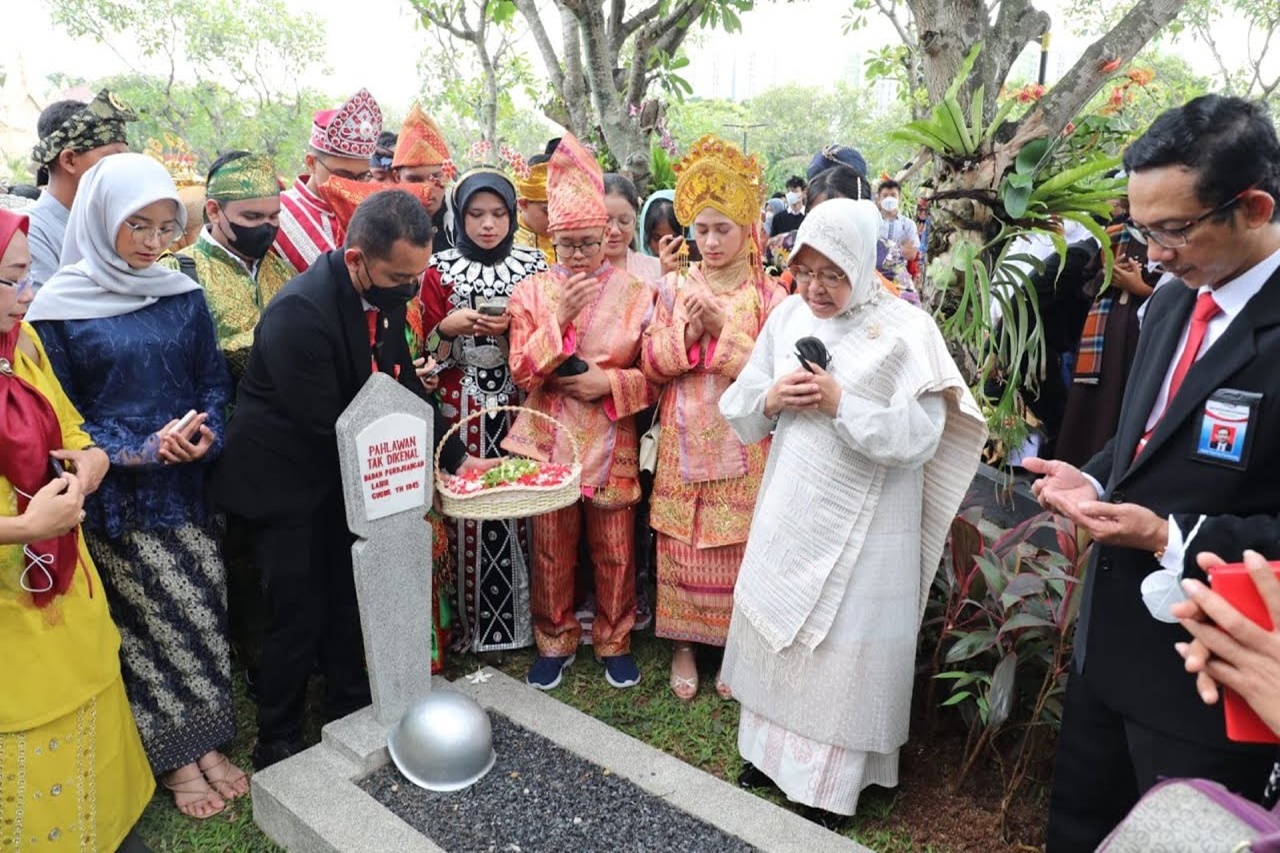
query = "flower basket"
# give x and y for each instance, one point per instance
(517, 488)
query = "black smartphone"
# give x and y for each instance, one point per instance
(572, 366)
(57, 467)
(490, 309)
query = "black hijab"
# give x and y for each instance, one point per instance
(483, 179)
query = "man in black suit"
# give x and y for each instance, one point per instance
(1203, 187)
(317, 343)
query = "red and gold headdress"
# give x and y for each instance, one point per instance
(349, 131)
(575, 188)
(421, 143)
(717, 175)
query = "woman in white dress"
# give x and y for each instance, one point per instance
(870, 460)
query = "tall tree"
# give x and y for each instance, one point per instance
(257, 51)
(604, 60)
(1001, 172)
(485, 26)
(1245, 67)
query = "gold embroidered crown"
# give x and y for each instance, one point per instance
(716, 174)
(178, 160)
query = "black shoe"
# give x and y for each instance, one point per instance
(268, 752)
(825, 819)
(751, 776)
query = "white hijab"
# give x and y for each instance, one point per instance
(94, 281)
(846, 232)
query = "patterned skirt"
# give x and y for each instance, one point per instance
(695, 590)
(168, 595)
(79, 782)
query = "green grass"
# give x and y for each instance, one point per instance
(702, 733)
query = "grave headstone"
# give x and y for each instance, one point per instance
(385, 447)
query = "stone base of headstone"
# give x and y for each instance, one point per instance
(311, 802)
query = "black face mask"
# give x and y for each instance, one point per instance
(389, 298)
(252, 241)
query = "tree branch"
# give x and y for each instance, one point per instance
(529, 10)
(889, 8)
(638, 20)
(1113, 50)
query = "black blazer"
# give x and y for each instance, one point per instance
(310, 358)
(1126, 655)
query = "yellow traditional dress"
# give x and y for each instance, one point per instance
(236, 294)
(526, 236)
(73, 774)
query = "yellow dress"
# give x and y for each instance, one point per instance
(73, 774)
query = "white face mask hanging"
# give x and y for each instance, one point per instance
(34, 563)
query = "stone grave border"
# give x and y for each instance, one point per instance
(310, 802)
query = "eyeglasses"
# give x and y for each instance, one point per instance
(361, 177)
(436, 178)
(828, 277)
(1176, 238)
(588, 249)
(21, 285)
(166, 234)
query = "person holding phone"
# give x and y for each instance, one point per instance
(1108, 343)
(575, 345)
(705, 325)
(461, 323)
(61, 650)
(870, 458)
(134, 346)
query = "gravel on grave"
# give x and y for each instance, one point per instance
(540, 798)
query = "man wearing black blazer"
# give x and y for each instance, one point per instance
(1203, 187)
(317, 343)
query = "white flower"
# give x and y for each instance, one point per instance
(479, 676)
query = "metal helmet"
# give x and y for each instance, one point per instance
(444, 742)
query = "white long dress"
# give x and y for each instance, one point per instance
(821, 646)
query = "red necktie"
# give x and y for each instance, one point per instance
(1206, 309)
(371, 318)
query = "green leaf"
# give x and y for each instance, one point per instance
(1030, 155)
(975, 115)
(956, 699)
(1025, 620)
(971, 645)
(1000, 696)
(1015, 197)
(962, 74)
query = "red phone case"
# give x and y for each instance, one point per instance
(1233, 583)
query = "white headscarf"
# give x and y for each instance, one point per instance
(94, 281)
(845, 231)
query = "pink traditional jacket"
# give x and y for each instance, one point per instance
(308, 226)
(696, 377)
(606, 332)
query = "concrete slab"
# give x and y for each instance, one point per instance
(310, 802)
(737, 812)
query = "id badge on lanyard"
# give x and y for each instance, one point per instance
(1228, 424)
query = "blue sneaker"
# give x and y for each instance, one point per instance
(621, 671)
(546, 671)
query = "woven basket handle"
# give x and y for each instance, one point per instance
(573, 442)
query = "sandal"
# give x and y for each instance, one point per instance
(229, 784)
(202, 807)
(684, 686)
(722, 689)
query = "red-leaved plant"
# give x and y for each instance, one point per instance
(1003, 609)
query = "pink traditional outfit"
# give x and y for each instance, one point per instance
(644, 267)
(607, 332)
(308, 225)
(706, 480)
